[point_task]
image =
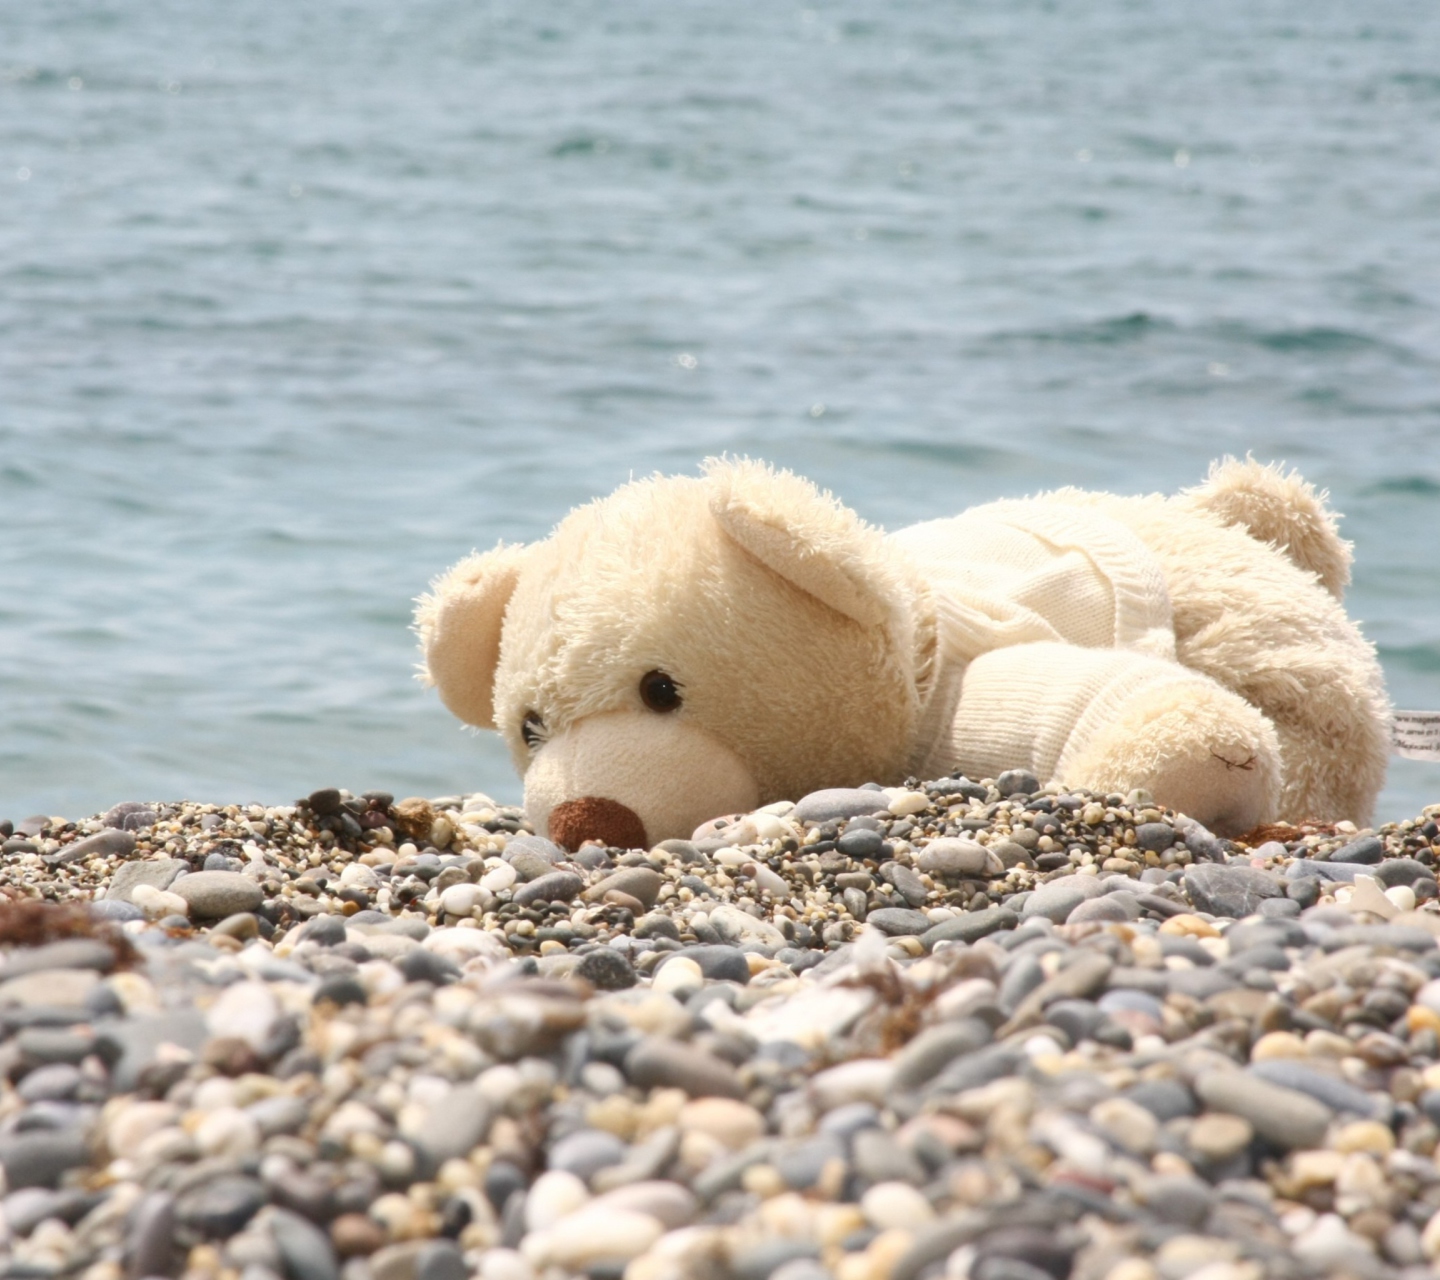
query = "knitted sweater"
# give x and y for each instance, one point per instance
(1084, 596)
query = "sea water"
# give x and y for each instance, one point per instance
(301, 303)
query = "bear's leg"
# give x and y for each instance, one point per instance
(1115, 720)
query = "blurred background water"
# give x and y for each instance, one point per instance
(300, 303)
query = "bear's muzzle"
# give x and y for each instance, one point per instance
(596, 818)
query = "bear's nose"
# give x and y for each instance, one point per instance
(595, 818)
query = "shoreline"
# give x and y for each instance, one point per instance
(966, 1029)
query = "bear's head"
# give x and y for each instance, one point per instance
(686, 648)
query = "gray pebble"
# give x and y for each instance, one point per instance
(606, 969)
(1178, 1199)
(1164, 1099)
(1288, 1118)
(1229, 890)
(529, 864)
(38, 1158)
(1338, 1095)
(158, 873)
(68, 953)
(1115, 907)
(641, 883)
(898, 922)
(222, 1206)
(104, 844)
(57, 1082)
(1395, 871)
(213, 895)
(670, 1064)
(55, 1044)
(453, 1126)
(930, 1051)
(878, 1157)
(951, 858)
(1017, 782)
(1154, 837)
(325, 931)
(1367, 850)
(1054, 901)
(585, 1152)
(1310, 868)
(557, 886)
(860, 843)
(547, 849)
(439, 1260)
(801, 1162)
(970, 926)
(836, 803)
(1280, 908)
(115, 910)
(130, 816)
(305, 1250)
(1022, 976)
(762, 1260)
(1203, 844)
(150, 1242)
(849, 1118)
(719, 962)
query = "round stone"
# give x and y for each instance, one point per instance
(585, 1152)
(606, 969)
(733, 1123)
(554, 1196)
(678, 976)
(1017, 782)
(837, 803)
(213, 895)
(956, 859)
(896, 1206)
(1217, 1137)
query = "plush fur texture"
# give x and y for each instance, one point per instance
(1193, 646)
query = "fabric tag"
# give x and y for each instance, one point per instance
(1416, 734)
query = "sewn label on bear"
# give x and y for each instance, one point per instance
(1416, 734)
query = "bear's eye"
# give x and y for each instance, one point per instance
(532, 729)
(659, 692)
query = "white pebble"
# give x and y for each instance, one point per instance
(358, 876)
(136, 1122)
(903, 804)
(246, 1010)
(504, 1264)
(554, 1196)
(158, 903)
(590, 1236)
(462, 899)
(1402, 895)
(859, 1080)
(228, 1132)
(896, 1206)
(677, 975)
(501, 877)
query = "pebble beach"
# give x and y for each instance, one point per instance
(960, 1028)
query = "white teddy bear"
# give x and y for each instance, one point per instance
(691, 647)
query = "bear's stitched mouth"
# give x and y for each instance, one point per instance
(574, 822)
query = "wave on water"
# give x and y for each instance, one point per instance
(1108, 331)
(1412, 659)
(1416, 486)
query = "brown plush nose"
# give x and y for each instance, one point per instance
(595, 818)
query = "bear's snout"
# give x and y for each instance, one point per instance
(596, 818)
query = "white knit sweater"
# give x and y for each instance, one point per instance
(1079, 606)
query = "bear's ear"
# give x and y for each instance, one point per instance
(808, 538)
(459, 624)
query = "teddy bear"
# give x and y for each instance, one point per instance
(690, 647)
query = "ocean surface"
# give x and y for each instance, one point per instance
(301, 303)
